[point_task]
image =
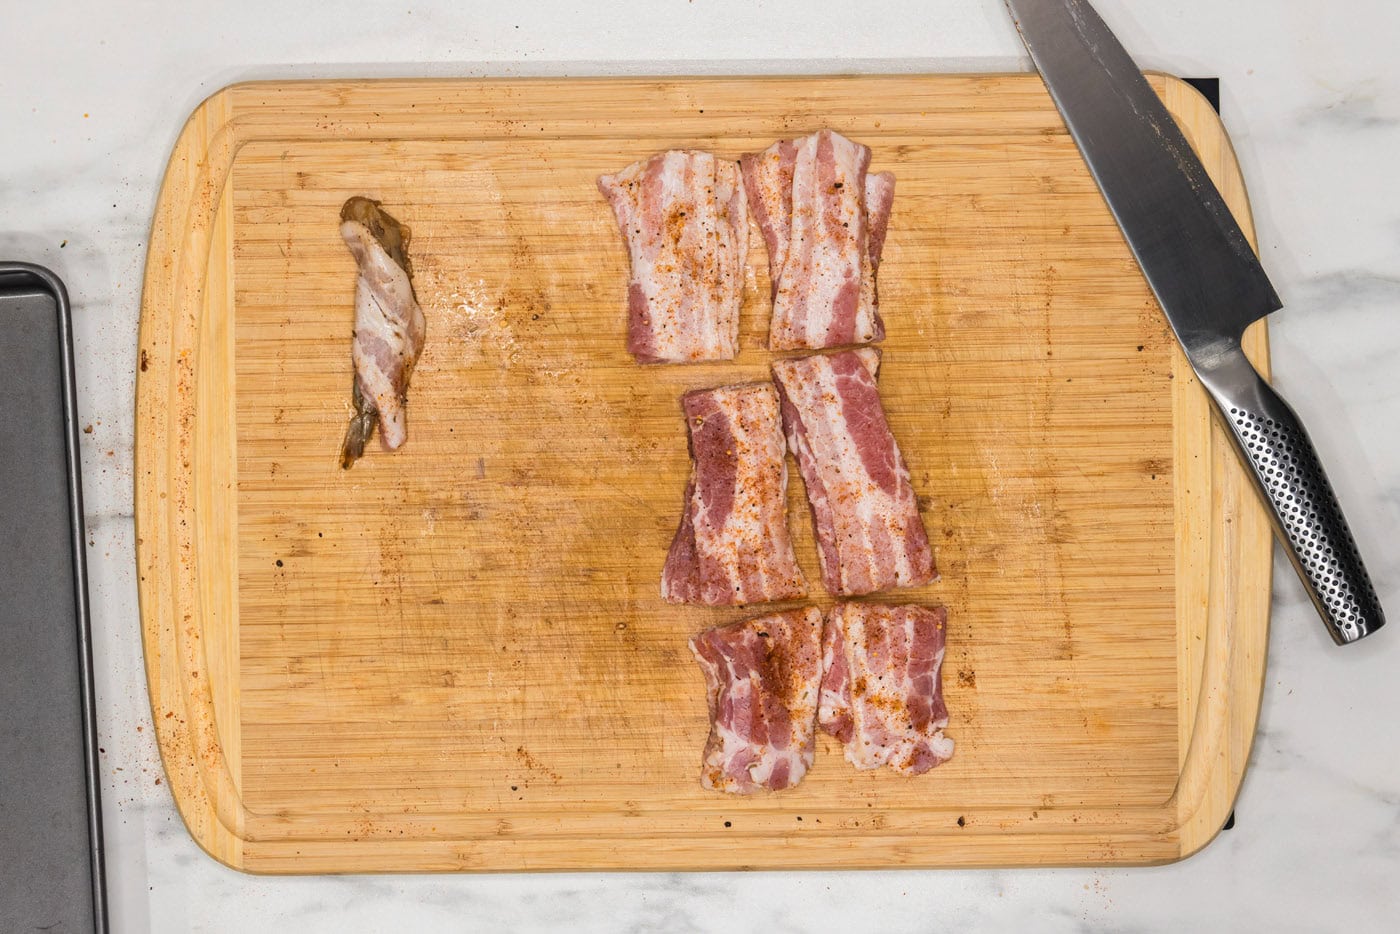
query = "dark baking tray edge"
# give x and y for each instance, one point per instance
(30, 274)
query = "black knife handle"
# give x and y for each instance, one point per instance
(1304, 508)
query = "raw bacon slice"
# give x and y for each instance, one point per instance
(879, 199)
(870, 536)
(824, 292)
(389, 327)
(733, 544)
(684, 216)
(762, 678)
(882, 687)
(768, 181)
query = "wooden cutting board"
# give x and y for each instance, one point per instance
(455, 657)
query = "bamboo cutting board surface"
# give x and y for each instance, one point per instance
(455, 657)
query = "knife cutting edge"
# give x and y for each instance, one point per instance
(1209, 282)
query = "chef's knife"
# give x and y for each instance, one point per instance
(1208, 282)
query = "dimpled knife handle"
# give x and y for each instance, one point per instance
(1305, 511)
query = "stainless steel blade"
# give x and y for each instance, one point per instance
(1194, 255)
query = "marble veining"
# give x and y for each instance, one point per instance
(92, 104)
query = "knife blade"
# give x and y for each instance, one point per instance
(1209, 283)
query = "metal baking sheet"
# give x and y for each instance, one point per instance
(51, 871)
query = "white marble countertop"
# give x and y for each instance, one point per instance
(92, 100)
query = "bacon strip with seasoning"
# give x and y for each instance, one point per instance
(733, 545)
(882, 685)
(768, 183)
(762, 681)
(684, 217)
(389, 327)
(824, 220)
(870, 536)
